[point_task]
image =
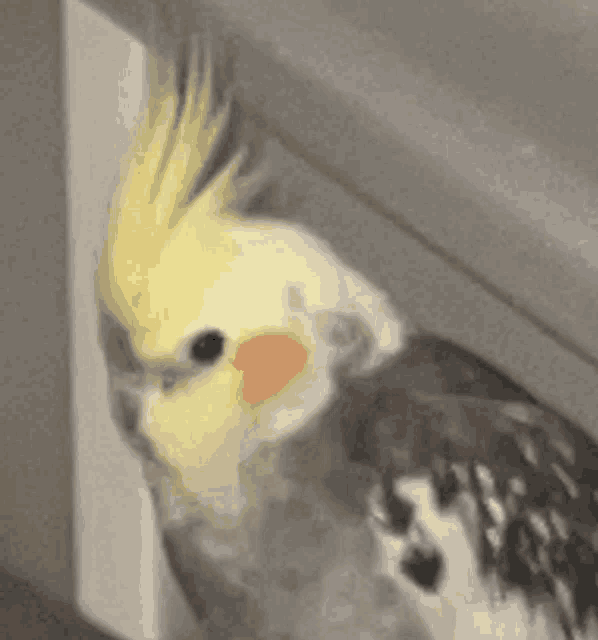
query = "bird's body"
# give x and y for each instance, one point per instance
(515, 484)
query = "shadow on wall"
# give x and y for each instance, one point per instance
(27, 614)
(474, 48)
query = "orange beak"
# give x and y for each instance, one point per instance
(268, 363)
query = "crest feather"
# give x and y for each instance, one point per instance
(166, 159)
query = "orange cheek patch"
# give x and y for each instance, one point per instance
(268, 364)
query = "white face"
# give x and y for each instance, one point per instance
(198, 416)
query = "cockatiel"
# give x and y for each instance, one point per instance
(231, 321)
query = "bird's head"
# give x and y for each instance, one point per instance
(232, 319)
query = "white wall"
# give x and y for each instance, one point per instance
(121, 579)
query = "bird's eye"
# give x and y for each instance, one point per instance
(207, 347)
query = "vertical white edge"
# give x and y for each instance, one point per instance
(116, 546)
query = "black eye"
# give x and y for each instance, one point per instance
(208, 347)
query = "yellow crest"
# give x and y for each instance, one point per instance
(152, 221)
